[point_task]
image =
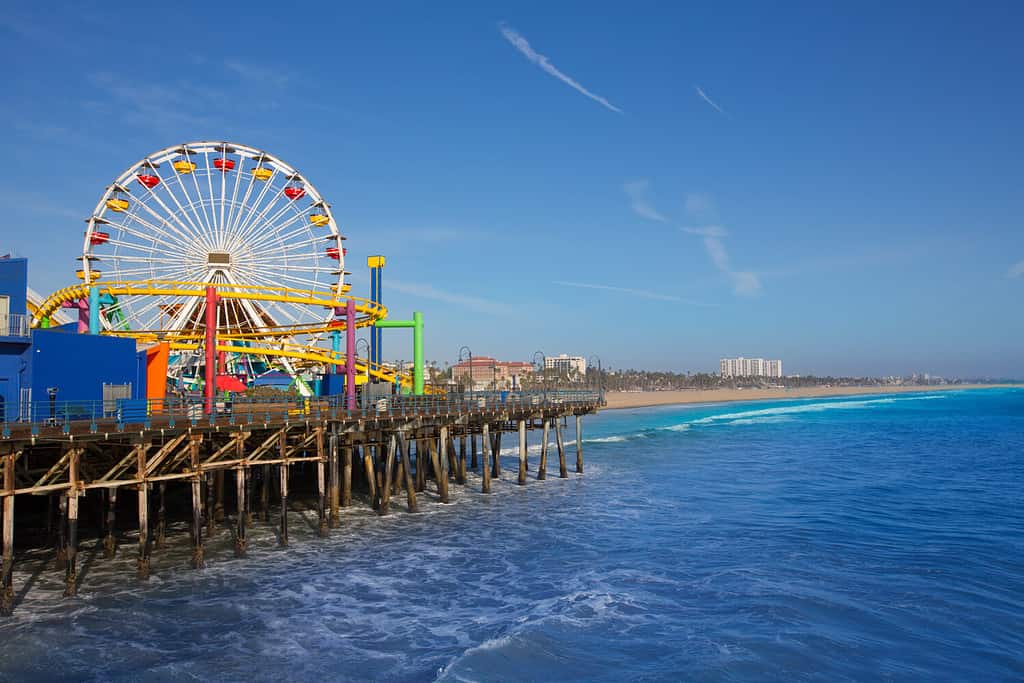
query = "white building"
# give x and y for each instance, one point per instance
(750, 367)
(567, 364)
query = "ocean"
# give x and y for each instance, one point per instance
(850, 538)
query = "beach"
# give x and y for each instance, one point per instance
(640, 399)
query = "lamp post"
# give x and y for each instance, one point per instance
(367, 356)
(468, 355)
(540, 368)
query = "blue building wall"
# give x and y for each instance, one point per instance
(79, 364)
(15, 356)
(14, 282)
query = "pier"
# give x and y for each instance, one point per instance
(240, 463)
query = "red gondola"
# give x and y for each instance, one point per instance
(294, 192)
(98, 237)
(148, 179)
(223, 164)
(334, 253)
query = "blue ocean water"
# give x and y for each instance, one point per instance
(867, 538)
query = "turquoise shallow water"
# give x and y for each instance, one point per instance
(844, 539)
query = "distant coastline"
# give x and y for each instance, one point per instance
(642, 399)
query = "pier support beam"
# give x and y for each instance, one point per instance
(485, 473)
(218, 506)
(160, 536)
(560, 443)
(410, 487)
(462, 459)
(522, 453)
(579, 444)
(321, 508)
(240, 543)
(143, 562)
(7, 568)
(71, 569)
(109, 540)
(389, 468)
(542, 466)
(346, 475)
(440, 461)
(208, 510)
(496, 453)
(472, 451)
(265, 493)
(198, 561)
(371, 475)
(334, 484)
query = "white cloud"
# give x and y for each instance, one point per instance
(643, 293)
(638, 191)
(427, 291)
(521, 44)
(707, 231)
(707, 99)
(1017, 270)
(744, 282)
(698, 204)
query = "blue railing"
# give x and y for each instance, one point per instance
(117, 414)
(14, 325)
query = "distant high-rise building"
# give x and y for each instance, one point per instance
(567, 364)
(750, 367)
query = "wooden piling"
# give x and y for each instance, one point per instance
(560, 444)
(110, 540)
(218, 506)
(370, 474)
(198, 561)
(143, 562)
(440, 463)
(346, 475)
(334, 483)
(461, 477)
(496, 453)
(321, 489)
(410, 487)
(61, 561)
(389, 467)
(579, 444)
(283, 474)
(522, 453)
(71, 568)
(485, 473)
(422, 460)
(208, 510)
(265, 493)
(240, 541)
(472, 451)
(160, 536)
(542, 466)
(7, 568)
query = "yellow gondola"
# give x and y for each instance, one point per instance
(93, 274)
(319, 220)
(262, 173)
(184, 166)
(117, 203)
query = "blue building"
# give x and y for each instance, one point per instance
(72, 367)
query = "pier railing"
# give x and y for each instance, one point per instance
(67, 417)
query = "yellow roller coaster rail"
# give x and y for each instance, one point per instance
(267, 341)
(368, 311)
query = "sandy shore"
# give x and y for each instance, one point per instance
(638, 399)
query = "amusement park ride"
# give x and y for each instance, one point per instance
(227, 266)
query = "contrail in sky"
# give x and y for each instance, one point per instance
(707, 99)
(520, 43)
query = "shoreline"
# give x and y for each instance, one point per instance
(620, 400)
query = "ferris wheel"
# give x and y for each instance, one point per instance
(214, 212)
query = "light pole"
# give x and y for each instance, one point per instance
(465, 353)
(367, 356)
(540, 368)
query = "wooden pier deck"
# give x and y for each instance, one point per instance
(263, 451)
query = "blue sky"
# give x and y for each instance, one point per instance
(658, 185)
